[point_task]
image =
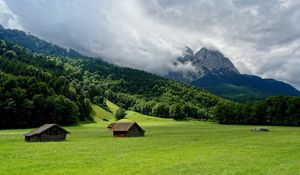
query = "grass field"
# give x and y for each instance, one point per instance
(169, 147)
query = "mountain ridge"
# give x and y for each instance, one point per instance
(211, 70)
(35, 44)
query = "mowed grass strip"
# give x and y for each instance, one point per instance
(99, 113)
(169, 147)
(113, 107)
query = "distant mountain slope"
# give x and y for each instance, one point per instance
(212, 71)
(35, 44)
(241, 87)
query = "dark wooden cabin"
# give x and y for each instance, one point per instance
(131, 129)
(47, 132)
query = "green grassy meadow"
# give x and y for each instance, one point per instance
(169, 147)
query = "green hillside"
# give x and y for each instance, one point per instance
(99, 113)
(37, 89)
(131, 116)
(111, 106)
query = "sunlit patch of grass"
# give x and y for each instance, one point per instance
(113, 107)
(99, 113)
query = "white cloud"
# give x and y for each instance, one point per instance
(260, 37)
(7, 18)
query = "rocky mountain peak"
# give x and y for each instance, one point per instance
(188, 51)
(214, 61)
(204, 52)
(192, 66)
(187, 55)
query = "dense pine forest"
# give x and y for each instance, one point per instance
(44, 83)
(276, 110)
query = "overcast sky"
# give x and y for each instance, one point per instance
(261, 37)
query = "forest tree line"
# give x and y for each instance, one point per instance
(276, 110)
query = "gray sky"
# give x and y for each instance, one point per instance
(261, 37)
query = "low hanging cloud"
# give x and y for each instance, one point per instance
(7, 18)
(116, 30)
(260, 37)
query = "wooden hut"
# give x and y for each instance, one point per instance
(47, 132)
(131, 129)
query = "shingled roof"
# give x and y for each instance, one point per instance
(42, 129)
(124, 126)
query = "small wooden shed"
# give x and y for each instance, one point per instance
(131, 129)
(47, 132)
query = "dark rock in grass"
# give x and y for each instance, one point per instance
(105, 119)
(260, 129)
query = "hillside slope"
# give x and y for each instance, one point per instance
(242, 87)
(38, 88)
(35, 44)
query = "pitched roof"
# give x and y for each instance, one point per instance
(42, 129)
(124, 126)
(111, 125)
